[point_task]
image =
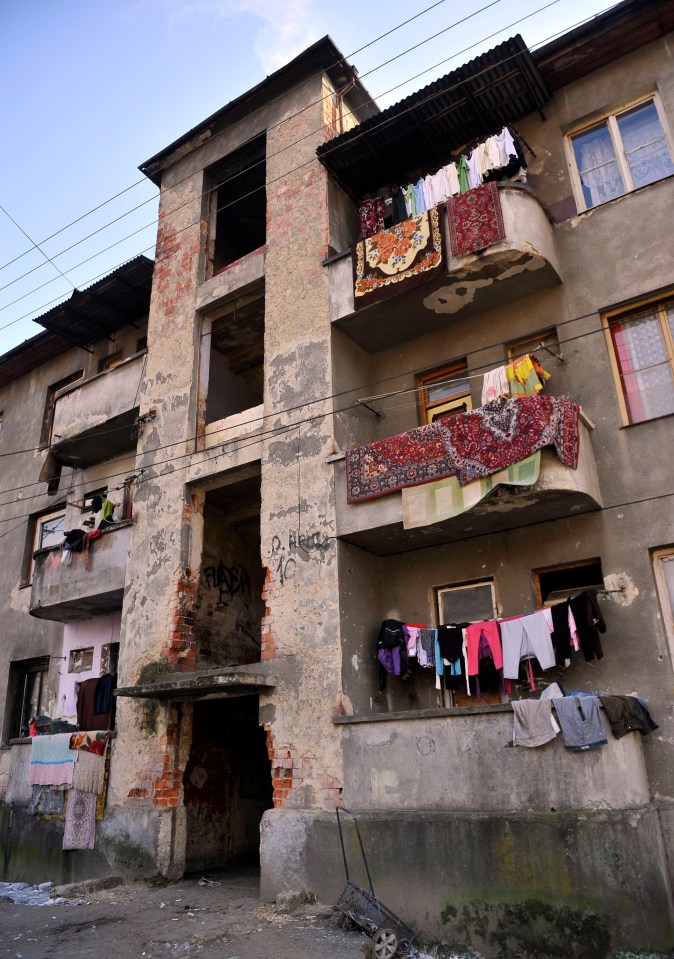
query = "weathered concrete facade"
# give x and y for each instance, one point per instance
(253, 593)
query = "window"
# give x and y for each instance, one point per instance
(444, 393)
(238, 205)
(110, 361)
(555, 583)
(45, 531)
(141, 344)
(471, 602)
(625, 151)
(642, 353)
(27, 694)
(52, 391)
(541, 342)
(663, 563)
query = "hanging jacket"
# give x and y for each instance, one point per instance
(589, 623)
(392, 651)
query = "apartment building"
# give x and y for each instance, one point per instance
(270, 536)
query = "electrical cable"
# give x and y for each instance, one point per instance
(246, 119)
(274, 431)
(252, 166)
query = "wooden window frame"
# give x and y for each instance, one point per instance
(50, 405)
(609, 318)
(666, 605)
(35, 528)
(609, 118)
(463, 399)
(19, 670)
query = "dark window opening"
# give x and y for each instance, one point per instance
(556, 583)
(52, 391)
(238, 204)
(109, 361)
(27, 694)
(236, 363)
(141, 344)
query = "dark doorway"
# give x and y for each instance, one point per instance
(227, 784)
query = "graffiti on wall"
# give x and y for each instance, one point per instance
(283, 563)
(229, 581)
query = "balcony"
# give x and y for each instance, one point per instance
(377, 525)
(522, 263)
(94, 419)
(71, 593)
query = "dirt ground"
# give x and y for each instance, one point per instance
(139, 921)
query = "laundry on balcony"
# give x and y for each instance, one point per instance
(444, 499)
(404, 256)
(494, 158)
(52, 761)
(474, 444)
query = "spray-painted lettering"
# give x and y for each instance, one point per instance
(228, 580)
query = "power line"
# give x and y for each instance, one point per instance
(37, 247)
(289, 146)
(287, 427)
(252, 166)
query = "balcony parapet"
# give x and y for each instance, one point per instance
(523, 262)
(74, 592)
(94, 418)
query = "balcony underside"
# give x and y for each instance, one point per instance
(112, 438)
(559, 492)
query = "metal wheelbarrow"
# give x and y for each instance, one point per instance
(390, 936)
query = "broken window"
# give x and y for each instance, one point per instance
(234, 339)
(52, 392)
(238, 205)
(27, 694)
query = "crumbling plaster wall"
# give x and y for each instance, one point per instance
(301, 627)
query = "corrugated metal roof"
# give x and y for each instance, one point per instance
(424, 131)
(607, 37)
(120, 298)
(30, 354)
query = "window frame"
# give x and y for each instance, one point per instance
(50, 405)
(666, 603)
(19, 670)
(450, 371)
(34, 531)
(609, 318)
(609, 118)
(558, 568)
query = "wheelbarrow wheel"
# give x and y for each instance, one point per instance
(384, 944)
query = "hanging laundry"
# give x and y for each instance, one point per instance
(534, 724)
(526, 376)
(462, 173)
(627, 714)
(89, 773)
(52, 761)
(526, 637)
(581, 723)
(495, 385)
(399, 207)
(371, 217)
(452, 178)
(392, 651)
(420, 204)
(426, 648)
(103, 693)
(474, 169)
(486, 632)
(87, 717)
(563, 627)
(589, 623)
(408, 193)
(437, 188)
(505, 146)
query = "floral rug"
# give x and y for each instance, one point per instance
(493, 437)
(385, 466)
(80, 825)
(475, 220)
(408, 253)
(471, 445)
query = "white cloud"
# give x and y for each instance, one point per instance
(286, 26)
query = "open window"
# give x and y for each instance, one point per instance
(233, 346)
(556, 583)
(45, 530)
(444, 392)
(27, 695)
(238, 205)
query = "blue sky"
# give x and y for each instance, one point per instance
(92, 88)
